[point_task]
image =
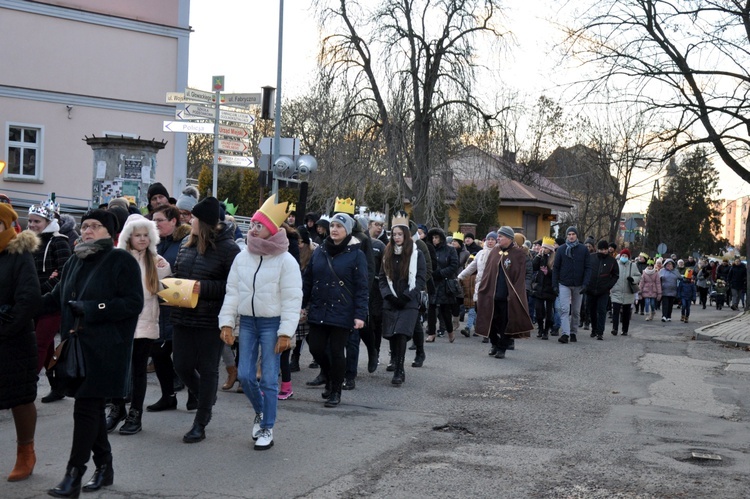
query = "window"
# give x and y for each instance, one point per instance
(24, 152)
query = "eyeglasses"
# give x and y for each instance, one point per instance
(93, 227)
(159, 220)
(257, 226)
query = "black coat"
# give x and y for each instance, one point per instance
(50, 256)
(541, 284)
(604, 274)
(113, 299)
(737, 276)
(444, 267)
(211, 269)
(401, 318)
(20, 291)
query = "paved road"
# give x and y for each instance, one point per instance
(596, 419)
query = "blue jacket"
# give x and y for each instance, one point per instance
(336, 298)
(573, 270)
(686, 290)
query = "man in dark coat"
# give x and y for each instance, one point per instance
(100, 297)
(604, 275)
(502, 308)
(737, 281)
(570, 276)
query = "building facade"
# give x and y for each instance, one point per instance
(80, 68)
(734, 220)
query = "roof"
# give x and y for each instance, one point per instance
(515, 193)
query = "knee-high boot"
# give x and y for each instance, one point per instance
(399, 345)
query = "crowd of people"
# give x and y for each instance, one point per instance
(332, 283)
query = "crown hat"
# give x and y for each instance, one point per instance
(548, 242)
(376, 216)
(400, 220)
(41, 210)
(458, 236)
(179, 293)
(344, 206)
(271, 215)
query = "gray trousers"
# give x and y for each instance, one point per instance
(570, 308)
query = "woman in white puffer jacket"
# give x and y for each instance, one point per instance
(139, 237)
(264, 288)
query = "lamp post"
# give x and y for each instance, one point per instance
(277, 117)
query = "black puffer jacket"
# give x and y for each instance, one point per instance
(20, 292)
(51, 256)
(211, 269)
(445, 266)
(541, 285)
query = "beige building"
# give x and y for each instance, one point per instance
(77, 68)
(734, 220)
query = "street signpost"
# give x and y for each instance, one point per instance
(242, 99)
(662, 248)
(233, 145)
(194, 111)
(188, 127)
(235, 160)
(192, 94)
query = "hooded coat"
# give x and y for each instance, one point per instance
(401, 297)
(20, 298)
(444, 267)
(621, 290)
(650, 284)
(68, 229)
(511, 261)
(112, 301)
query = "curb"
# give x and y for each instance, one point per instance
(703, 335)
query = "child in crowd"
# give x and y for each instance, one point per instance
(721, 290)
(687, 293)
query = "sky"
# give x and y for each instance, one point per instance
(239, 40)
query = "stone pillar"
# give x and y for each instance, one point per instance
(123, 167)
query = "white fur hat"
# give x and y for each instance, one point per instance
(137, 221)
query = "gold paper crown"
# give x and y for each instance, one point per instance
(179, 293)
(275, 212)
(344, 206)
(292, 207)
(400, 220)
(458, 236)
(549, 241)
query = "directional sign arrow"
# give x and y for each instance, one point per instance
(233, 145)
(235, 161)
(193, 111)
(188, 127)
(233, 131)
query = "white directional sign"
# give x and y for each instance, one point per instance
(188, 127)
(240, 99)
(233, 131)
(179, 98)
(194, 112)
(233, 145)
(235, 161)
(192, 94)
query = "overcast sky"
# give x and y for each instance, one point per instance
(239, 39)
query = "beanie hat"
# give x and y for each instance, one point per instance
(155, 189)
(104, 217)
(324, 222)
(271, 214)
(590, 240)
(188, 199)
(469, 235)
(137, 221)
(548, 243)
(207, 211)
(121, 202)
(121, 214)
(680, 262)
(423, 227)
(492, 235)
(571, 229)
(527, 244)
(519, 239)
(625, 252)
(507, 232)
(602, 245)
(345, 220)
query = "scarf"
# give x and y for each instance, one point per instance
(569, 248)
(274, 245)
(84, 250)
(334, 249)
(412, 269)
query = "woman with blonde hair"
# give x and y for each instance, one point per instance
(139, 237)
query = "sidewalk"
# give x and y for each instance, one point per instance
(734, 331)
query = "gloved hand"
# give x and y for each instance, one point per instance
(391, 299)
(630, 279)
(77, 307)
(283, 344)
(227, 335)
(583, 290)
(404, 299)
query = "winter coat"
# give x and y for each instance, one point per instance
(168, 247)
(68, 229)
(703, 277)
(650, 284)
(264, 283)
(444, 267)
(686, 290)
(620, 292)
(512, 262)
(20, 292)
(51, 256)
(604, 274)
(669, 280)
(737, 276)
(211, 270)
(112, 301)
(338, 297)
(722, 272)
(463, 257)
(402, 317)
(542, 278)
(574, 269)
(375, 299)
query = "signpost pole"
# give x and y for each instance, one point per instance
(217, 86)
(277, 117)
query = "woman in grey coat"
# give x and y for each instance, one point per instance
(670, 278)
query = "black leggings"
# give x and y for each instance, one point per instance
(286, 371)
(545, 310)
(445, 314)
(327, 345)
(161, 353)
(138, 375)
(621, 313)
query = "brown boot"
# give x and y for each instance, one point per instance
(25, 461)
(231, 379)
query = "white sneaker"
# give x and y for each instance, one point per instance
(256, 425)
(664, 319)
(669, 319)
(265, 439)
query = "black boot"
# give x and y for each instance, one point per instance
(167, 403)
(419, 359)
(320, 379)
(116, 414)
(132, 423)
(399, 375)
(104, 475)
(71, 483)
(327, 391)
(335, 398)
(540, 333)
(372, 360)
(55, 394)
(196, 434)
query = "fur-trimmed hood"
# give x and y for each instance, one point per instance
(136, 221)
(436, 231)
(25, 242)
(180, 232)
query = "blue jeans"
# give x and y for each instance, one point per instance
(556, 315)
(650, 304)
(686, 307)
(260, 333)
(471, 318)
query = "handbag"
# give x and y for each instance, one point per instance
(68, 365)
(455, 289)
(634, 288)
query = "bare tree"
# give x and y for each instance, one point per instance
(407, 61)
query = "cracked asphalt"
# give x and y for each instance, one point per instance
(618, 418)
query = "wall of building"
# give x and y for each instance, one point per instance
(509, 215)
(160, 12)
